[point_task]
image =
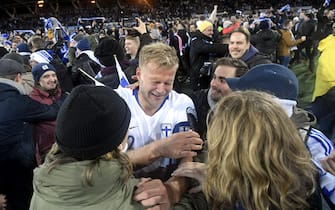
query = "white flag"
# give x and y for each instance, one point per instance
(96, 82)
(122, 77)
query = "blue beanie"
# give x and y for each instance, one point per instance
(23, 48)
(275, 79)
(83, 44)
(39, 69)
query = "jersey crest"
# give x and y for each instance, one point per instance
(166, 130)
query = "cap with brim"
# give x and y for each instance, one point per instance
(275, 79)
(10, 67)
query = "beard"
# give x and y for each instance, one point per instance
(216, 94)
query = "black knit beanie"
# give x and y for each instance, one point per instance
(92, 121)
(106, 49)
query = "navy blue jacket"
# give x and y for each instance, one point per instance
(17, 112)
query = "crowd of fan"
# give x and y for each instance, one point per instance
(247, 41)
(163, 10)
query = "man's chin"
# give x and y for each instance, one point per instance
(215, 98)
(235, 55)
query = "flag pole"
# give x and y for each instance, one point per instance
(97, 83)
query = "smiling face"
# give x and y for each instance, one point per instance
(208, 31)
(238, 45)
(155, 83)
(48, 80)
(219, 87)
(131, 46)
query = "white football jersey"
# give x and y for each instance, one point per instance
(170, 118)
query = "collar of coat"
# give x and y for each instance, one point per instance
(249, 53)
(15, 85)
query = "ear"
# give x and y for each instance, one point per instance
(138, 72)
(249, 44)
(124, 144)
(18, 78)
(120, 147)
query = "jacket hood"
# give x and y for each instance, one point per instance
(9, 86)
(65, 184)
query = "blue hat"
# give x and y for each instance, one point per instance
(275, 79)
(83, 44)
(23, 49)
(39, 69)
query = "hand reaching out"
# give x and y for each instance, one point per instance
(152, 194)
(328, 163)
(141, 28)
(194, 170)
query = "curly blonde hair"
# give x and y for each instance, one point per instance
(256, 158)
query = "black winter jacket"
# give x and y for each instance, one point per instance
(202, 49)
(266, 42)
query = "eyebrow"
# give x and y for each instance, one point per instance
(219, 77)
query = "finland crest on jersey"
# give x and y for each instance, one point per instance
(166, 130)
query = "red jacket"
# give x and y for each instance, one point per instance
(43, 132)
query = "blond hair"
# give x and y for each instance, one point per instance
(160, 54)
(256, 157)
(56, 157)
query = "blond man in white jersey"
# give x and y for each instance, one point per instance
(159, 135)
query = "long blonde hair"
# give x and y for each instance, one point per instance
(256, 158)
(56, 157)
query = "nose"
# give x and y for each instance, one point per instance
(161, 89)
(213, 82)
(54, 77)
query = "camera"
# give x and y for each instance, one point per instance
(206, 69)
(129, 22)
